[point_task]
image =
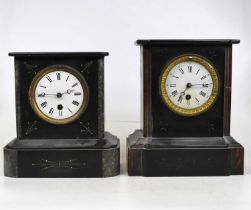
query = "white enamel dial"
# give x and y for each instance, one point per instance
(190, 85)
(59, 94)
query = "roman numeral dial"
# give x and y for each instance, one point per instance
(189, 85)
(59, 94)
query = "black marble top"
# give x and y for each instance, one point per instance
(109, 141)
(188, 41)
(137, 140)
(44, 54)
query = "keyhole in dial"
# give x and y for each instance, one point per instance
(188, 97)
(60, 106)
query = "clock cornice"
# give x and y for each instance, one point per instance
(162, 42)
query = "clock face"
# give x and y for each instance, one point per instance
(59, 94)
(189, 85)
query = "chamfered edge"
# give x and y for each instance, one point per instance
(187, 41)
(44, 54)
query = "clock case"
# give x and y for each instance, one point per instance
(78, 149)
(169, 144)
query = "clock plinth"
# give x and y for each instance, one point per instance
(60, 118)
(62, 158)
(183, 156)
(185, 120)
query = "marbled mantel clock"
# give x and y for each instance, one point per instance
(60, 118)
(186, 104)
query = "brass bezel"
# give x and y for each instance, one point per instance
(50, 69)
(212, 71)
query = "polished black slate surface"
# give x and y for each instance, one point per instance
(166, 123)
(60, 164)
(105, 143)
(186, 162)
(137, 140)
(173, 145)
(91, 122)
(215, 142)
(188, 41)
(77, 149)
(68, 54)
(65, 158)
(183, 156)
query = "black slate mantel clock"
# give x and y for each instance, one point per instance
(186, 104)
(60, 118)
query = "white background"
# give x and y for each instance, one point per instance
(113, 26)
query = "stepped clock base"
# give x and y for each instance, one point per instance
(64, 158)
(216, 156)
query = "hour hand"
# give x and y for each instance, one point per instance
(181, 96)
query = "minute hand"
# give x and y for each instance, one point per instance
(45, 94)
(203, 84)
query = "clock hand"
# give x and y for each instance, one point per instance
(59, 95)
(45, 94)
(203, 84)
(182, 94)
(181, 97)
(188, 85)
